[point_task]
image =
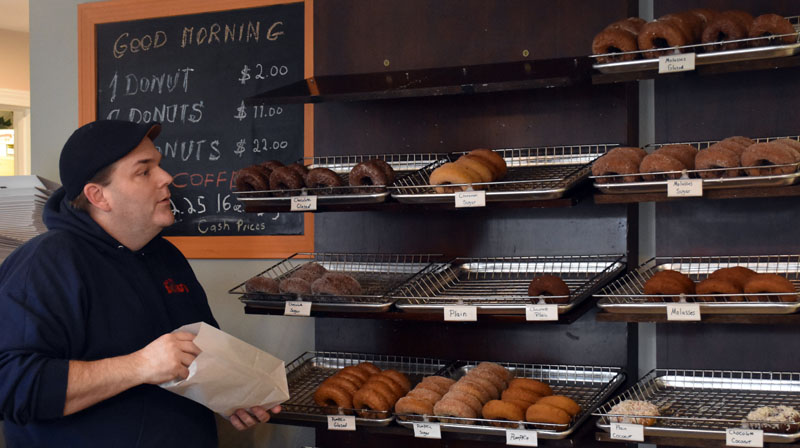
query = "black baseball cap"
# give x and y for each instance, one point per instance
(97, 145)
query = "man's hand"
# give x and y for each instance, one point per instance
(243, 419)
(166, 359)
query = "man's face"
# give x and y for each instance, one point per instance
(139, 191)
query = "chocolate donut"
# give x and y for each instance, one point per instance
(323, 179)
(768, 25)
(502, 410)
(387, 170)
(549, 285)
(766, 154)
(660, 166)
(714, 158)
(771, 283)
(284, 180)
(543, 413)
(726, 26)
(683, 152)
(368, 174)
(718, 286)
(251, 178)
(616, 45)
(300, 169)
(615, 164)
(262, 284)
(336, 283)
(270, 165)
(660, 36)
(295, 285)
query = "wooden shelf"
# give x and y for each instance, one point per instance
(758, 319)
(727, 193)
(683, 441)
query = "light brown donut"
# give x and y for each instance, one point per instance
(452, 173)
(488, 375)
(770, 153)
(332, 398)
(685, 153)
(369, 399)
(494, 159)
(542, 413)
(454, 409)
(478, 166)
(771, 283)
(737, 275)
(357, 380)
(522, 404)
(794, 145)
(342, 382)
(411, 405)
(503, 410)
(468, 399)
(488, 386)
(425, 394)
(737, 143)
(396, 388)
(714, 158)
(616, 44)
(440, 380)
(354, 371)
(667, 167)
(535, 386)
(336, 283)
(472, 388)
(382, 388)
(718, 286)
(563, 402)
(369, 368)
(767, 25)
(498, 370)
(519, 394)
(615, 164)
(399, 378)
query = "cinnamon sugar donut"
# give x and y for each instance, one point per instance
(295, 285)
(324, 179)
(251, 178)
(440, 380)
(451, 173)
(726, 26)
(793, 145)
(660, 166)
(532, 385)
(283, 179)
(738, 140)
(718, 286)
(683, 152)
(737, 275)
(471, 388)
(765, 154)
(411, 405)
(563, 402)
(616, 45)
(488, 386)
(498, 370)
(659, 37)
(468, 399)
(770, 283)
(336, 283)
(549, 285)
(262, 284)
(478, 166)
(768, 25)
(713, 159)
(520, 394)
(490, 376)
(453, 411)
(425, 395)
(636, 154)
(615, 165)
(542, 413)
(502, 410)
(493, 158)
(441, 390)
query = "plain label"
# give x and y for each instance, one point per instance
(460, 313)
(676, 63)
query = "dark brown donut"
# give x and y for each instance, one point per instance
(283, 180)
(705, 15)
(767, 25)
(269, 166)
(738, 275)
(630, 24)
(387, 170)
(690, 24)
(300, 169)
(636, 154)
(615, 164)
(684, 153)
(716, 157)
(336, 283)
(661, 163)
(295, 285)
(658, 35)
(251, 179)
(727, 25)
(770, 153)
(323, 179)
(549, 285)
(369, 398)
(718, 286)
(368, 173)
(262, 284)
(616, 43)
(772, 283)
(669, 282)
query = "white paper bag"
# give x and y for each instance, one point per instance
(230, 374)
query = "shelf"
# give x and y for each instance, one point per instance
(682, 441)
(723, 193)
(467, 79)
(758, 319)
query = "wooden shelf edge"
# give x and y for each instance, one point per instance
(602, 436)
(752, 319)
(391, 206)
(731, 193)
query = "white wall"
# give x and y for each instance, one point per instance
(54, 106)
(15, 73)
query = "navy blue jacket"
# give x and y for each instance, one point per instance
(75, 293)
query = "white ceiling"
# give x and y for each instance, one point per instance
(14, 15)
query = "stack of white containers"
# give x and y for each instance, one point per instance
(22, 200)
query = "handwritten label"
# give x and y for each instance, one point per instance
(461, 313)
(684, 188)
(541, 312)
(676, 63)
(303, 203)
(517, 437)
(683, 311)
(297, 309)
(627, 431)
(427, 431)
(342, 422)
(744, 437)
(470, 199)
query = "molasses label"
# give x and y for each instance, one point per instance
(676, 63)
(683, 311)
(684, 188)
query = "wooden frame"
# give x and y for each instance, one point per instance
(91, 14)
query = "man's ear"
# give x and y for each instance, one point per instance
(95, 194)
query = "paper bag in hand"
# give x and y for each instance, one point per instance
(230, 374)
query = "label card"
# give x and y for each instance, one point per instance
(519, 437)
(297, 309)
(676, 63)
(461, 313)
(627, 431)
(303, 203)
(427, 431)
(475, 198)
(684, 188)
(342, 422)
(683, 311)
(744, 437)
(541, 312)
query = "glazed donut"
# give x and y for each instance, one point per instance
(424, 395)
(411, 405)
(615, 165)
(616, 44)
(630, 24)
(455, 410)
(300, 169)
(767, 25)
(283, 179)
(452, 173)
(718, 286)
(336, 283)
(251, 178)
(472, 388)
(295, 285)
(342, 382)
(485, 384)
(498, 382)
(323, 178)
(770, 153)
(397, 390)
(549, 285)
(520, 394)
(710, 161)
(727, 25)
(565, 403)
(737, 275)
(349, 376)
(399, 378)
(659, 36)
(368, 367)
(705, 15)
(262, 284)
(669, 282)
(356, 372)
(478, 166)
(368, 174)
(433, 387)
(771, 283)
(468, 399)
(690, 24)
(643, 409)
(542, 413)
(665, 166)
(494, 159)
(369, 399)
(502, 410)
(384, 389)
(636, 154)
(498, 370)
(331, 396)
(532, 385)
(684, 153)
(440, 380)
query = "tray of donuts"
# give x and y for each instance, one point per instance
(363, 385)
(333, 281)
(515, 174)
(757, 284)
(633, 44)
(734, 162)
(506, 285)
(490, 398)
(353, 179)
(705, 403)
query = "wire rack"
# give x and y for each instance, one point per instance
(307, 372)
(500, 285)
(533, 174)
(614, 183)
(704, 403)
(378, 275)
(627, 294)
(587, 385)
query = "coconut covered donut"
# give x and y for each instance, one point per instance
(643, 410)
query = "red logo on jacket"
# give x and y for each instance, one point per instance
(173, 288)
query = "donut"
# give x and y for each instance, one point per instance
(737, 143)
(660, 35)
(490, 376)
(488, 386)
(357, 380)
(354, 371)
(399, 378)
(440, 380)
(383, 389)
(425, 395)
(411, 405)
(342, 382)
(284, 179)
(662, 166)
(472, 388)
(532, 385)
(615, 165)
(726, 26)
(387, 170)
(251, 178)
(452, 173)
(502, 410)
(784, 419)
(309, 272)
(718, 286)
(369, 399)
(262, 284)
(690, 24)
(542, 413)
(368, 367)
(295, 285)
(615, 45)
(669, 282)
(705, 15)
(300, 169)
(499, 370)
(335, 283)
(332, 397)
(549, 285)
(771, 283)
(440, 390)
(683, 152)
(494, 159)
(770, 153)
(520, 394)
(642, 409)
(737, 275)
(792, 143)
(269, 166)
(630, 24)
(711, 161)
(565, 403)
(323, 179)
(521, 403)
(478, 166)
(767, 25)
(453, 411)
(368, 174)
(397, 390)
(468, 399)
(636, 154)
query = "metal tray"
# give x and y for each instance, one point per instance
(378, 275)
(626, 294)
(704, 403)
(500, 285)
(307, 372)
(533, 174)
(587, 385)
(615, 185)
(403, 164)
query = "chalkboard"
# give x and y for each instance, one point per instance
(192, 73)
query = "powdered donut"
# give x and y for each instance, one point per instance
(549, 285)
(643, 409)
(772, 283)
(616, 44)
(565, 403)
(336, 283)
(616, 165)
(685, 153)
(262, 284)
(411, 405)
(532, 385)
(765, 154)
(662, 165)
(295, 285)
(768, 25)
(502, 410)
(452, 173)
(660, 36)
(714, 158)
(283, 179)
(737, 275)
(718, 286)
(542, 413)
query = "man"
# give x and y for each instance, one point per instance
(87, 309)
